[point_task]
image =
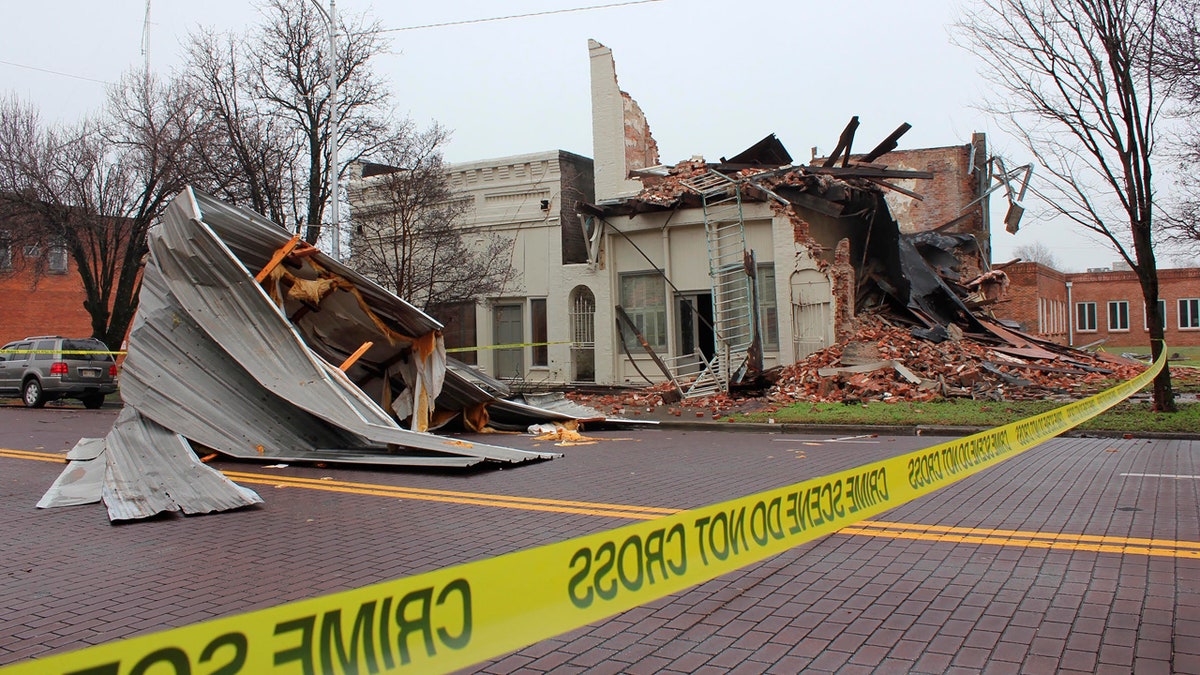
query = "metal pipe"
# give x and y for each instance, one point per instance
(1070, 318)
(335, 196)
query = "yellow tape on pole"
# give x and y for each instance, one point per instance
(56, 351)
(452, 618)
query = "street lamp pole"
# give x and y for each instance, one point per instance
(335, 192)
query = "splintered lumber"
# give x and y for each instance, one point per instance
(355, 356)
(277, 258)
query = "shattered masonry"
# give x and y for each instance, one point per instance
(901, 239)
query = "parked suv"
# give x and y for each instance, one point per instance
(51, 367)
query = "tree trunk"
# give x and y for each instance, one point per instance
(1147, 272)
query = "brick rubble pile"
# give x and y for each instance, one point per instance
(952, 368)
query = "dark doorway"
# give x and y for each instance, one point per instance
(695, 324)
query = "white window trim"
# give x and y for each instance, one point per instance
(1109, 306)
(1075, 317)
(1146, 315)
(1195, 316)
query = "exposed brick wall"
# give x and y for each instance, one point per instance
(1032, 285)
(641, 150)
(952, 187)
(1104, 287)
(842, 284)
(577, 187)
(1037, 299)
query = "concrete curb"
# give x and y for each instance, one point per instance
(918, 430)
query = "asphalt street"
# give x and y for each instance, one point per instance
(1080, 555)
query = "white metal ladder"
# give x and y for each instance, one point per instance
(732, 291)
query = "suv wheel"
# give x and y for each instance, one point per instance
(32, 394)
(93, 402)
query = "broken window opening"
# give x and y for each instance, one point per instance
(459, 332)
(695, 324)
(644, 297)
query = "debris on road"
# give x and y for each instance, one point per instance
(249, 344)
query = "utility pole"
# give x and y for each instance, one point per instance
(146, 40)
(335, 195)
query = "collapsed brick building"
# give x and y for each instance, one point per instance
(706, 272)
(720, 269)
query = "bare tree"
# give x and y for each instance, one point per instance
(269, 91)
(410, 235)
(1075, 81)
(1177, 64)
(96, 188)
(254, 157)
(1037, 252)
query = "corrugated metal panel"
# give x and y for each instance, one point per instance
(221, 296)
(214, 360)
(82, 480)
(151, 470)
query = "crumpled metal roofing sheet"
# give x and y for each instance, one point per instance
(214, 360)
(216, 291)
(151, 470)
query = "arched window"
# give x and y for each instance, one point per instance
(583, 334)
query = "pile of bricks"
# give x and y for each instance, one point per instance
(961, 367)
(952, 368)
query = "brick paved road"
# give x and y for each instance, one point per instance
(989, 591)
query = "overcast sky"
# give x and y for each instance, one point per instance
(712, 77)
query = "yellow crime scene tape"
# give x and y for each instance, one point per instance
(56, 351)
(452, 618)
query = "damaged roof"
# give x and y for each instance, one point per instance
(921, 276)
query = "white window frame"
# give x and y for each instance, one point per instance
(768, 333)
(1189, 308)
(1085, 324)
(1120, 317)
(1162, 311)
(651, 320)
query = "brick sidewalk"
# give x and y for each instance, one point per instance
(950, 601)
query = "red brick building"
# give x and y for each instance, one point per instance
(40, 293)
(1100, 305)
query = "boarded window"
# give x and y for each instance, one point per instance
(5, 251)
(56, 260)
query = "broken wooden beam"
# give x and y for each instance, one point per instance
(888, 144)
(355, 356)
(277, 258)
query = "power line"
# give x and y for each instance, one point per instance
(515, 16)
(393, 30)
(53, 72)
